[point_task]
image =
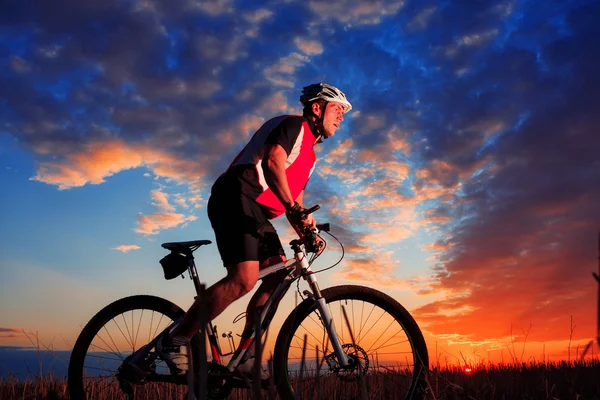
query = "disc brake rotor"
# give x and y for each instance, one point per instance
(357, 358)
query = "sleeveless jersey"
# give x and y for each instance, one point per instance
(245, 173)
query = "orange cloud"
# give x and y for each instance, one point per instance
(151, 224)
(127, 247)
(99, 160)
(370, 272)
(161, 201)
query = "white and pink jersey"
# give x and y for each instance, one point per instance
(293, 133)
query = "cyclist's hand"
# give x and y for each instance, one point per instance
(309, 222)
(298, 219)
(320, 244)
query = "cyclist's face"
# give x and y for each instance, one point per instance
(334, 115)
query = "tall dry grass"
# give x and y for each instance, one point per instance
(577, 380)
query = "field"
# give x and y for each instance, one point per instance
(562, 380)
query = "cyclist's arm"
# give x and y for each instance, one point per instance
(310, 220)
(273, 165)
(300, 199)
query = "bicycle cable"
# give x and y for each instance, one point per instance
(341, 257)
(315, 256)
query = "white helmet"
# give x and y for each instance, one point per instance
(326, 92)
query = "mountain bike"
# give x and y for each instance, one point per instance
(339, 342)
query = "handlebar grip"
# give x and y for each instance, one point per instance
(312, 209)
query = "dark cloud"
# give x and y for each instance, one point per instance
(526, 229)
(137, 72)
(9, 333)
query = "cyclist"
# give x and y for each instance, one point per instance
(266, 180)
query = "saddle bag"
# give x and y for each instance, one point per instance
(173, 265)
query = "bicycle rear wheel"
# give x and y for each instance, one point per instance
(388, 352)
(112, 336)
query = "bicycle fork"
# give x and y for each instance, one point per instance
(326, 317)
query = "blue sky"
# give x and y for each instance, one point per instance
(467, 171)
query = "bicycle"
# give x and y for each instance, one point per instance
(321, 349)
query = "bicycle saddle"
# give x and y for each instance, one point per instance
(178, 246)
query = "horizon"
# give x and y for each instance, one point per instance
(464, 183)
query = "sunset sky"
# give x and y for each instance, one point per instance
(465, 183)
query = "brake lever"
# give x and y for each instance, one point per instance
(323, 227)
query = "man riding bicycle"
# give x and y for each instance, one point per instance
(264, 181)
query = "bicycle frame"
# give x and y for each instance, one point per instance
(298, 267)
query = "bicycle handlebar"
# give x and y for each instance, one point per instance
(309, 236)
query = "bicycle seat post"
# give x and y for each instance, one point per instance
(193, 271)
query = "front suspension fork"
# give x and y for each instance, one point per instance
(326, 317)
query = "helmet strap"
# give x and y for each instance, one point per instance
(319, 127)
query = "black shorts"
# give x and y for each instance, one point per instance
(242, 230)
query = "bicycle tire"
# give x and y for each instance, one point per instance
(99, 323)
(329, 383)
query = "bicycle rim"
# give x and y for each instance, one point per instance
(112, 336)
(379, 336)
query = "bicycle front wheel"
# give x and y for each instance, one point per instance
(387, 352)
(97, 367)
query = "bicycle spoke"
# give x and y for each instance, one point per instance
(139, 325)
(383, 345)
(116, 351)
(359, 334)
(120, 330)
(130, 341)
(380, 336)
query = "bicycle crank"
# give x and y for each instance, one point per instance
(218, 385)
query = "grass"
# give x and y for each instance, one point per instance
(549, 381)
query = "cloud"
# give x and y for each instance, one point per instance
(100, 160)
(152, 224)
(213, 7)
(421, 19)
(161, 201)
(355, 12)
(521, 225)
(281, 73)
(309, 47)
(257, 16)
(227, 49)
(368, 272)
(6, 333)
(126, 247)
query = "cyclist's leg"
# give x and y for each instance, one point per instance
(267, 286)
(241, 279)
(236, 220)
(270, 253)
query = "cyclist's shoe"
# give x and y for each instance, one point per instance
(246, 370)
(174, 355)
